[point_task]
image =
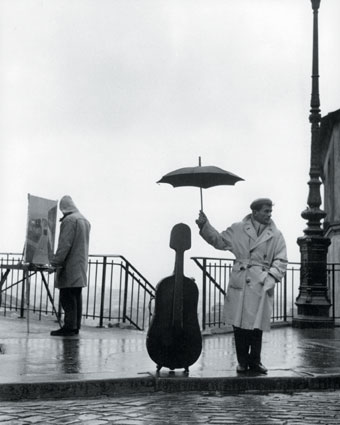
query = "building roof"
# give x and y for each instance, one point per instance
(327, 124)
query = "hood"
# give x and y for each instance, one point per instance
(67, 205)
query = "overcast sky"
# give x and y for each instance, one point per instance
(100, 98)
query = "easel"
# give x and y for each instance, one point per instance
(29, 270)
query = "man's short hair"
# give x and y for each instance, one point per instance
(258, 203)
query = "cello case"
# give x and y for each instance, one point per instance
(174, 338)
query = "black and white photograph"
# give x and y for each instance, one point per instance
(170, 215)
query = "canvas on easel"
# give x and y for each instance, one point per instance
(41, 229)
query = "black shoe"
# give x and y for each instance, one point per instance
(64, 332)
(259, 368)
(241, 368)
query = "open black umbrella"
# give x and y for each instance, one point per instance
(201, 176)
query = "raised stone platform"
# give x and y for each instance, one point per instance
(110, 361)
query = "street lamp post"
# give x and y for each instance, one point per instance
(313, 303)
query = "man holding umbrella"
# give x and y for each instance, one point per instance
(261, 261)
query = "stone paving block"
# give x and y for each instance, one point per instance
(116, 417)
(35, 419)
(4, 418)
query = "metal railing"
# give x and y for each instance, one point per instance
(116, 292)
(215, 278)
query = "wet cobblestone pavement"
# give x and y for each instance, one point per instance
(194, 408)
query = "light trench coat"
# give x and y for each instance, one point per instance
(249, 299)
(71, 257)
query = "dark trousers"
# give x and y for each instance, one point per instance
(72, 304)
(248, 343)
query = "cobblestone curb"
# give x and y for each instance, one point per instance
(238, 385)
(150, 384)
(75, 389)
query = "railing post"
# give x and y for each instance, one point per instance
(22, 304)
(125, 291)
(204, 293)
(285, 298)
(102, 297)
(333, 290)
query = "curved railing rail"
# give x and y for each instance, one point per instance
(215, 278)
(117, 293)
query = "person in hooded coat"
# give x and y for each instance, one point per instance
(71, 260)
(261, 261)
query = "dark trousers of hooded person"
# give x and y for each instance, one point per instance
(248, 344)
(72, 304)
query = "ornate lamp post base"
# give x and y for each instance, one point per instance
(305, 322)
(313, 303)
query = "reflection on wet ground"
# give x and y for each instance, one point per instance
(117, 353)
(65, 356)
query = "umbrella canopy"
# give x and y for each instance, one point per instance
(202, 177)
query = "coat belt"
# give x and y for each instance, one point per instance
(249, 263)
